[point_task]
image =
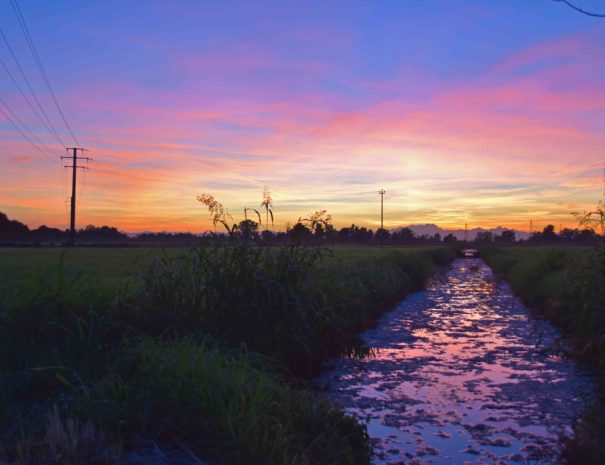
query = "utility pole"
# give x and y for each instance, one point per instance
(465, 232)
(381, 192)
(531, 228)
(74, 167)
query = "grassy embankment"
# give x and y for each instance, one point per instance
(567, 286)
(204, 352)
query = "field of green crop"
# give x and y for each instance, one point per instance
(112, 264)
(205, 352)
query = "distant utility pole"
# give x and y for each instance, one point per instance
(381, 192)
(531, 228)
(74, 167)
(465, 232)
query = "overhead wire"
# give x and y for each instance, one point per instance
(37, 108)
(82, 178)
(26, 129)
(26, 136)
(38, 61)
(577, 8)
(49, 126)
(25, 97)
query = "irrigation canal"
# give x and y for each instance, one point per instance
(460, 373)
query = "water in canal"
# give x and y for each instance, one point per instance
(460, 373)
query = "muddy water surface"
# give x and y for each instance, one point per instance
(458, 374)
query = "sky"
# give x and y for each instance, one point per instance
(471, 111)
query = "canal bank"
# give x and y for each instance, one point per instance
(461, 373)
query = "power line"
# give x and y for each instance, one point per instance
(12, 77)
(577, 8)
(26, 136)
(24, 126)
(49, 124)
(34, 51)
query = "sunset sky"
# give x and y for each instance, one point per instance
(486, 112)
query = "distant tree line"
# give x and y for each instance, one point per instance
(317, 228)
(584, 236)
(15, 231)
(548, 235)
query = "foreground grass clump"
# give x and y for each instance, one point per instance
(567, 287)
(193, 396)
(223, 404)
(194, 356)
(286, 303)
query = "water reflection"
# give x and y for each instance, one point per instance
(459, 374)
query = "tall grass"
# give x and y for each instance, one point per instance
(282, 302)
(223, 404)
(196, 355)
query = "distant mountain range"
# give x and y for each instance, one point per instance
(432, 229)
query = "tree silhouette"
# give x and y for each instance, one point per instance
(248, 229)
(300, 233)
(246, 210)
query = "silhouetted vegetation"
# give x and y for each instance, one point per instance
(585, 236)
(12, 231)
(315, 229)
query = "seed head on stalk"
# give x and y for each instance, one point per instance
(218, 212)
(267, 203)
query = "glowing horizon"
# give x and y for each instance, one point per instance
(491, 115)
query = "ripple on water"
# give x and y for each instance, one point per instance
(459, 373)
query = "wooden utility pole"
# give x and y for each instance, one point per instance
(74, 167)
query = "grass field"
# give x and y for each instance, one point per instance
(205, 352)
(113, 264)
